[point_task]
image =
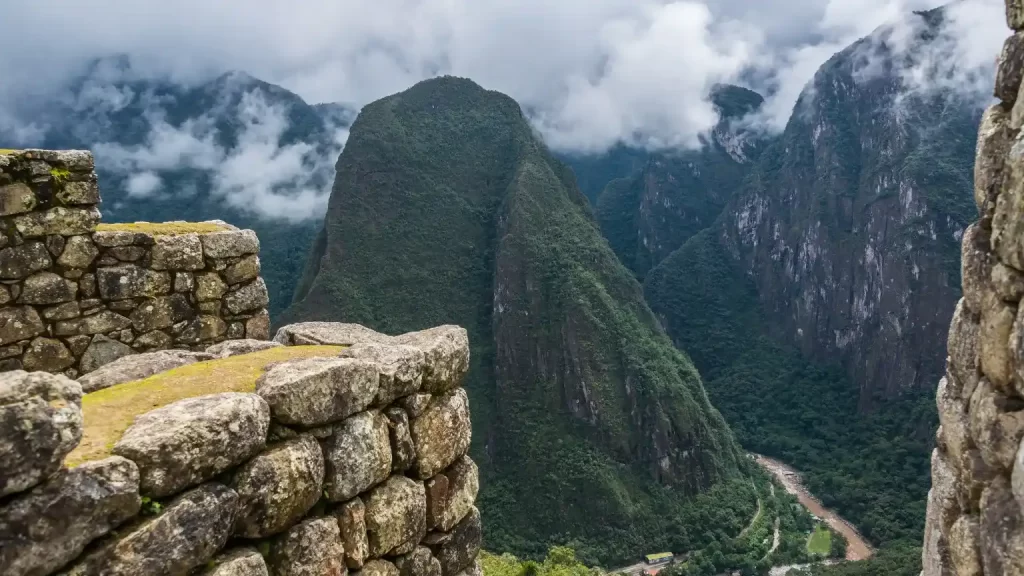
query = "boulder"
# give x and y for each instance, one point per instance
(40, 423)
(209, 287)
(138, 366)
(100, 323)
(236, 347)
(103, 351)
(246, 269)
(458, 549)
(403, 450)
(996, 425)
(352, 522)
(193, 440)
(446, 351)
(162, 312)
(130, 281)
(178, 252)
(400, 367)
(238, 562)
(442, 433)
(230, 244)
(453, 494)
(316, 391)
(419, 562)
(357, 455)
(19, 323)
(18, 262)
(278, 487)
(47, 355)
(327, 333)
(310, 548)
(189, 532)
(379, 567)
(252, 296)
(79, 252)
(396, 516)
(47, 288)
(59, 221)
(50, 525)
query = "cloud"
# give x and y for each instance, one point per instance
(595, 72)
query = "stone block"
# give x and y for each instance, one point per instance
(994, 334)
(278, 487)
(352, 523)
(975, 266)
(40, 423)
(79, 192)
(44, 288)
(60, 220)
(996, 425)
(184, 282)
(457, 550)
(161, 312)
(310, 548)
(138, 366)
(244, 270)
(442, 433)
(403, 450)
(238, 562)
(1001, 530)
(419, 562)
(357, 455)
(236, 347)
(114, 238)
(446, 356)
(415, 404)
(18, 262)
(47, 355)
(316, 391)
(230, 244)
(192, 440)
(178, 252)
(65, 311)
(400, 367)
(258, 327)
(102, 322)
(396, 518)
(379, 567)
(1010, 68)
(963, 547)
(252, 296)
(462, 483)
(19, 323)
(210, 287)
(103, 351)
(203, 328)
(130, 281)
(17, 198)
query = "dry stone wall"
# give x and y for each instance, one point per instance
(975, 522)
(75, 295)
(355, 463)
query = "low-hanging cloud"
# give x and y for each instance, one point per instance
(593, 73)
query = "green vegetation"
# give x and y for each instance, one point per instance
(107, 413)
(60, 176)
(820, 541)
(7, 151)
(560, 561)
(896, 560)
(590, 428)
(162, 228)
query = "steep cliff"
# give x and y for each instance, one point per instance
(589, 424)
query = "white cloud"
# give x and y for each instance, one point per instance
(144, 184)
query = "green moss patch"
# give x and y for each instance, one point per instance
(163, 228)
(109, 412)
(7, 151)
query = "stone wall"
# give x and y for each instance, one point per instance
(76, 294)
(346, 463)
(975, 524)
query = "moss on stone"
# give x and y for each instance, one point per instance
(163, 228)
(109, 412)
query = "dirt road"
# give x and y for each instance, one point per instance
(857, 548)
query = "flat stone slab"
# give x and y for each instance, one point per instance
(317, 391)
(137, 367)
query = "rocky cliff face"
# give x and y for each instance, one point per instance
(447, 206)
(850, 224)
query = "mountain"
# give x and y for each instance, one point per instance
(589, 425)
(231, 147)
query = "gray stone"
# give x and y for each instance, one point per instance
(379, 567)
(193, 440)
(238, 562)
(328, 333)
(236, 330)
(310, 548)
(11, 351)
(17, 262)
(103, 351)
(203, 328)
(5, 295)
(446, 350)
(442, 433)
(16, 198)
(230, 244)
(357, 455)
(19, 323)
(258, 327)
(79, 252)
(155, 340)
(87, 285)
(184, 282)
(65, 311)
(115, 238)
(51, 525)
(78, 344)
(73, 273)
(130, 281)
(400, 367)
(996, 425)
(419, 562)
(1009, 69)
(1001, 529)
(952, 416)
(246, 269)
(1007, 282)
(415, 404)
(975, 476)
(210, 287)
(403, 451)
(60, 220)
(47, 355)
(278, 487)
(252, 296)
(40, 423)
(79, 192)
(463, 484)
(396, 516)
(189, 532)
(236, 347)
(963, 547)
(55, 245)
(122, 305)
(162, 312)
(102, 322)
(458, 549)
(352, 523)
(994, 333)
(316, 391)
(975, 266)
(1015, 14)
(178, 252)
(47, 288)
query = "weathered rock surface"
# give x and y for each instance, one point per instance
(47, 288)
(51, 525)
(244, 270)
(131, 281)
(458, 549)
(239, 562)
(161, 312)
(328, 333)
(79, 252)
(442, 433)
(236, 347)
(446, 350)
(189, 532)
(396, 516)
(139, 366)
(352, 523)
(461, 483)
(403, 450)
(401, 368)
(47, 355)
(20, 261)
(58, 221)
(252, 296)
(310, 548)
(317, 391)
(278, 487)
(40, 423)
(357, 455)
(230, 244)
(178, 252)
(103, 322)
(192, 440)
(379, 567)
(19, 323)
(102, 351)
(419, 562)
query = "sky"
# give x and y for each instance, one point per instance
(593, 72)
